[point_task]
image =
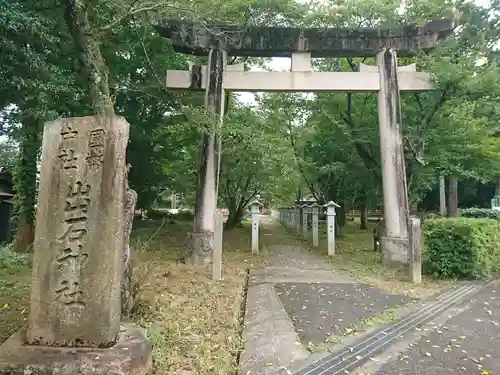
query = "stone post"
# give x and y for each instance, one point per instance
(442, 196)
(415, 250)
(315, 220)
(254, 207)
(305, 213)
(218, 239)
(298, 221)
(330, 215)
(395, 244)
(200, 243)
(78, 262)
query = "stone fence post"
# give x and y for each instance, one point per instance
(254, 209)
(330, 214)
(298, 223)
(415, 258)
(315, 220)
(292, 217)
(220, 219)
(305, 213)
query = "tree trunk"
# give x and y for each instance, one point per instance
(363, 222)
(497, 187)
(340, 220)
(235, 215)
(94, 69)
(25, 181)
(442, 196)
(452, 196)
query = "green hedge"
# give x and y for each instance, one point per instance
(480, 213)
(461, 247)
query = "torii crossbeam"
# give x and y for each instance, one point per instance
(301, 45)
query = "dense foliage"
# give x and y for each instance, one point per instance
(462, 247)
(480, 213)
(74, 58)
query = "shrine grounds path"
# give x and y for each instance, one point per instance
(308, 315)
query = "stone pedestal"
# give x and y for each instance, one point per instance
(394, 249)
(131, 355)
(199, 249)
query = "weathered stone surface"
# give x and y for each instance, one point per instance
(78, 260)
(199, 248)
(200, 243)
(217, 253)
(393, 160)
(131, 355)
(127, 292)
(198, 39)
(395, 250)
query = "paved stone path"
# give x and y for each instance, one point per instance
(465, 341)
(319, 310)
(296, 299)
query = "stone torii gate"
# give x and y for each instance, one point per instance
(301, 45)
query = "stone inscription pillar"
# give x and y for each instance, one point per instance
(78, 260)
(395, 244)
(201, 242)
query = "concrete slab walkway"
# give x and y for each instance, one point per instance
(296, 299)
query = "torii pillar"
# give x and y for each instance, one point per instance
(200, 243)
(395, 241)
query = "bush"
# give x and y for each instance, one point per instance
(9, 258)
(480, 213)
(461, 247)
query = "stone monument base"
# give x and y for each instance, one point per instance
(394, 250)
(131, 355)
(199, 249)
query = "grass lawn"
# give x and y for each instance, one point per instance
(355, 255)
(194, 323)
(15, 280)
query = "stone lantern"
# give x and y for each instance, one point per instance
(255, 211)
(330, 215)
